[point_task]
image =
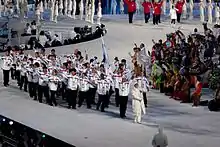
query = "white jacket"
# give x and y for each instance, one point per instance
(84, 85)
(53, 83)
(137, 100)
(173, 14)
(73, 82)
(7, 62)
(124, 88)
(102, 87)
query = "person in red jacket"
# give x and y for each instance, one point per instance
(179, 9)
(157, 11)
(147, 5)
(131, 9)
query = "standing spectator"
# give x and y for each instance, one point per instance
(131, 9)
(33, 28)
(179, 9)
(147, 5)
(160, 139)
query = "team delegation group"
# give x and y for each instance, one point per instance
(76, 79)
(175, 11)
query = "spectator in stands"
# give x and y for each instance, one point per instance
(56, 41)
(33, 28)
(27, 30)
(42, 40)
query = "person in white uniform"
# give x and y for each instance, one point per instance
(137, 103)
(124, 90)
(72, 88)
(102, 89)
(84, 91)
(6, 66)
(53, 86)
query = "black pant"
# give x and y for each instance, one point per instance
(117, 97)
(156, 19)
(30, 89)
(173, 21)
(109, 94)
(34, 90)
(123, 105)
(71, 98)
(178, 17)
(159, 18)
(24, 83)
(6, 77)
(147, 17)
(92, 92)
(63, 91)
(145, 98)
(18, 76)
(102, 101)
(130, 17)
(13, 71)
(43, 90)
(53, 98)
(161, 87)
(82, 96)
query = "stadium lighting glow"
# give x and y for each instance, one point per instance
(11, 123)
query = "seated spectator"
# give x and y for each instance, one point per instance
(27, 30)
(33, 28)
(56, 41)
(42, 40)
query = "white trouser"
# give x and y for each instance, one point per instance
(81, 15)
(99, 20)
(69, 13)
(137, 115)
(55, 18)
(38, 18)
(217, 20)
